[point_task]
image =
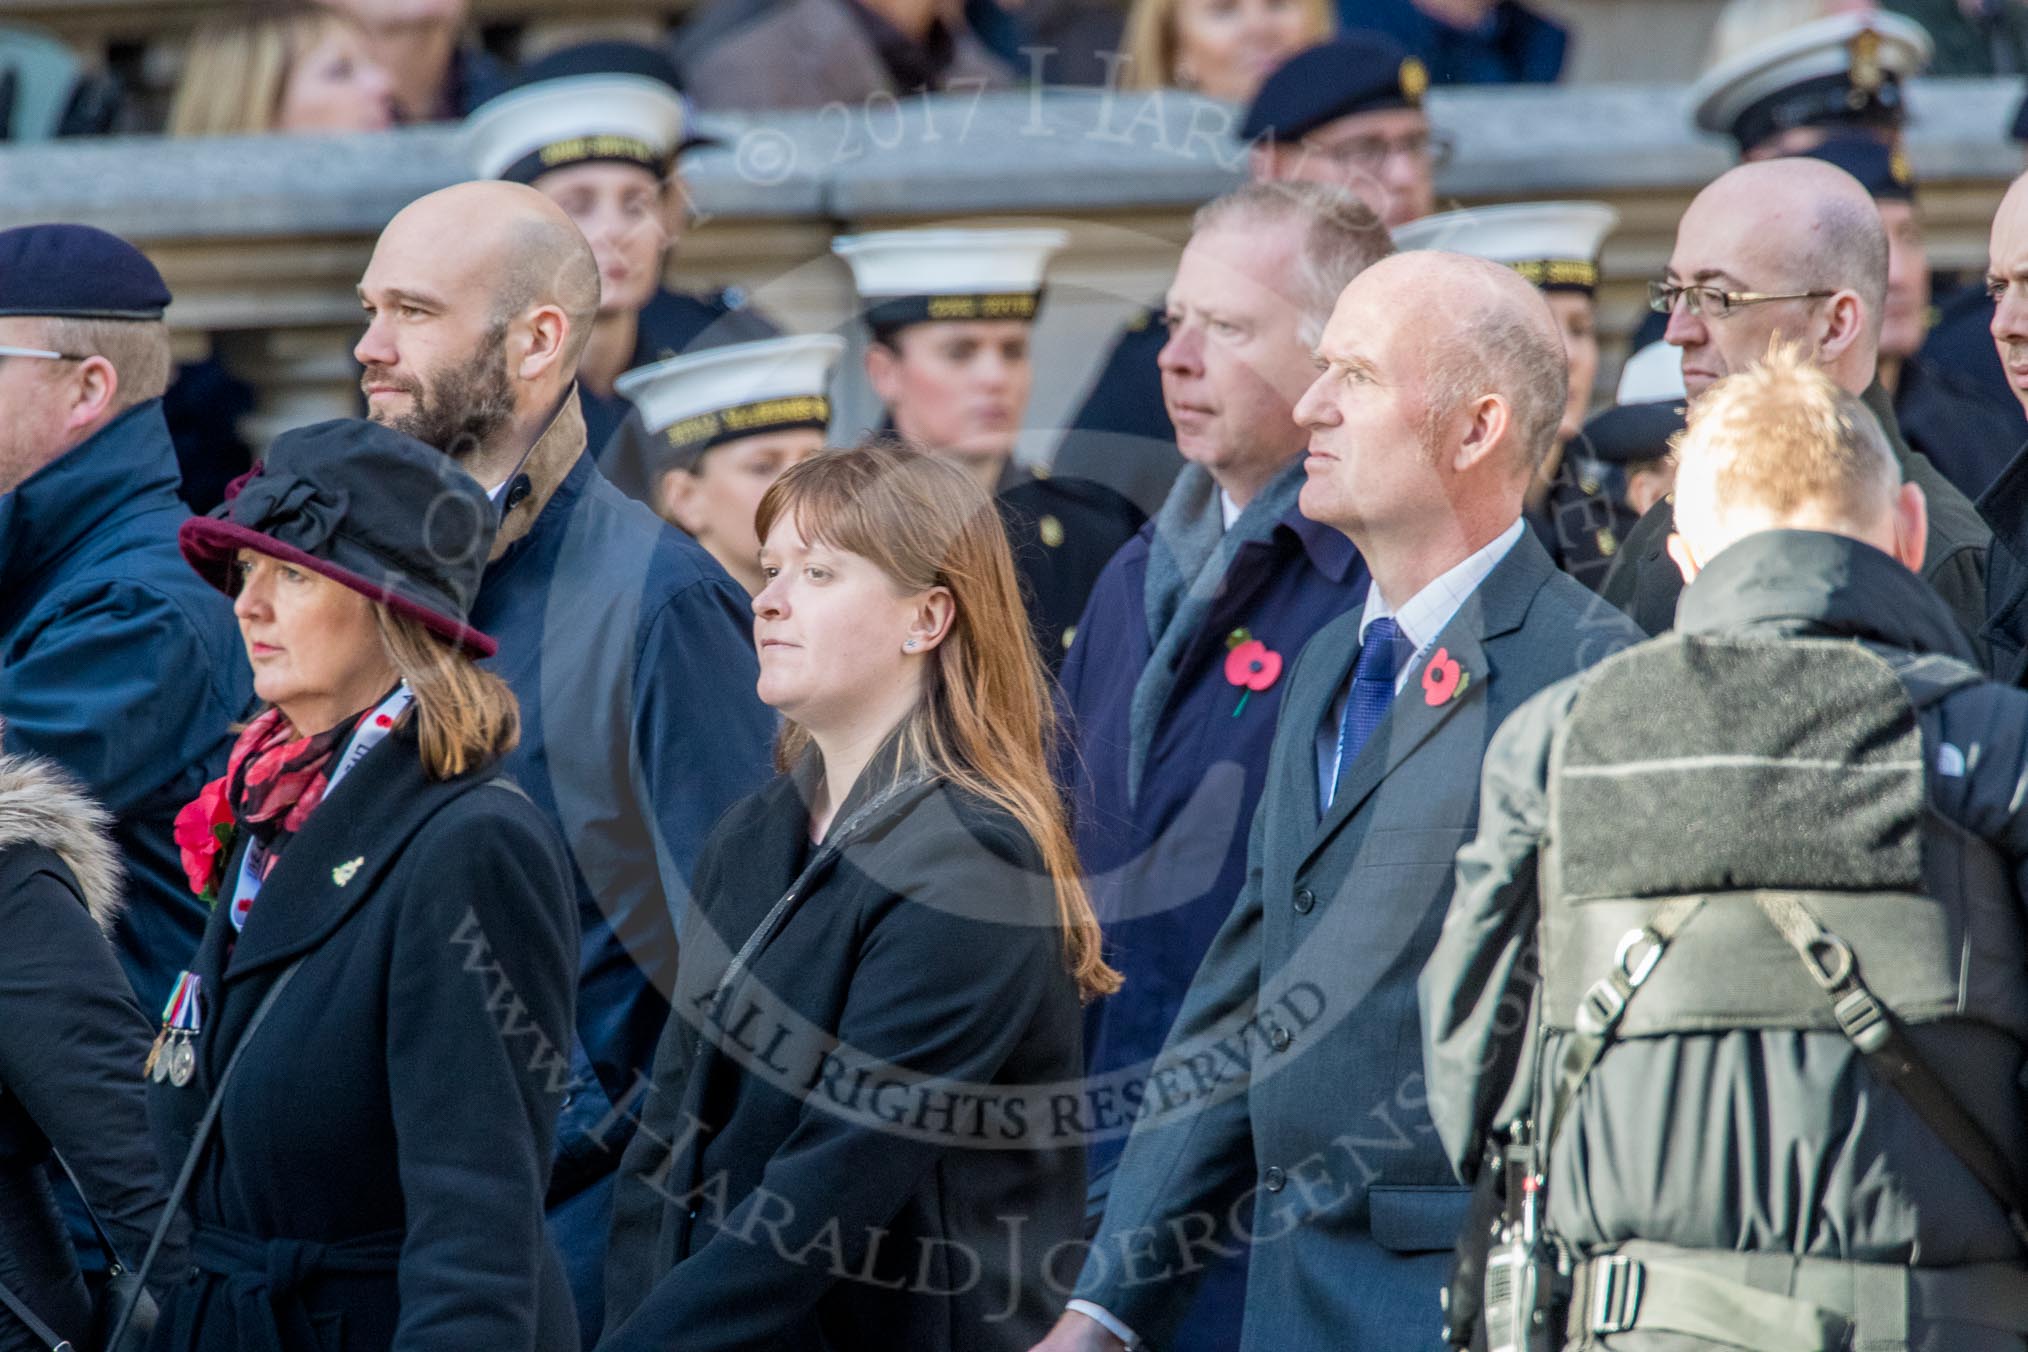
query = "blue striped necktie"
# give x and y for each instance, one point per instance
(1373, 676)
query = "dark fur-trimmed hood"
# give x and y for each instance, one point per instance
(41, 805)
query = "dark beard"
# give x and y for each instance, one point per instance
(464, 408)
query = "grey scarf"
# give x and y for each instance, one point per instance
(1187, 562)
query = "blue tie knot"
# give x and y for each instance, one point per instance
(1380, 655)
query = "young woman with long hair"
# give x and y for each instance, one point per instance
(878, 996)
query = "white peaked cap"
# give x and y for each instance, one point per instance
(735, 376)
(1808, 51)
(505, 131)
(948, 262)
(1652, 375)
(1521, 235)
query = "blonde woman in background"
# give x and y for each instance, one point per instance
(296, 68)
(1220, 48)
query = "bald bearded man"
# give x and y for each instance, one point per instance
(1791, 249)
(625, 642)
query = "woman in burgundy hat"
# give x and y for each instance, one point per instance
(360, 1074)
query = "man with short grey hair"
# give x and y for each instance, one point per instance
(1168, 753)
(1286, 1110)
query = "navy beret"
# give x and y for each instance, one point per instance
(77, 272)
(603, 58)
(1880, 169)
(1357, 72)
(1629, 433)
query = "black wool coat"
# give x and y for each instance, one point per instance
(376, 1177)
(848, 1140)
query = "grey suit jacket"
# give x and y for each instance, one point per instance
(809, 53)
(1287, 1109)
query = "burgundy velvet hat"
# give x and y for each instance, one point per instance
(366, 506)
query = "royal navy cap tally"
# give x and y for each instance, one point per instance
(1845, 70)
(1359, 72)
(77, 272)
(1880, 168)
(703, 399)
(579, 119)
(1555, 245)
(1652, 375)
(927, 276)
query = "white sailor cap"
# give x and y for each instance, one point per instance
(527, 132)
(698, 400)
(1652, 375)
(918, 276)
(1555, 245)
(1844, 70)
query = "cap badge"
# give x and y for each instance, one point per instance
(1866, 70)
(1414, 80)
(1898, 170)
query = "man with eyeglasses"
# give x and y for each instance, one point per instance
(1346, 113)
(1791, 250)
(116, 661)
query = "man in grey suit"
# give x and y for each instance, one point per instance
(1288, 1104)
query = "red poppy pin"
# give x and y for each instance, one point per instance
(1443, 679)
(1252, 666)
(203, 830)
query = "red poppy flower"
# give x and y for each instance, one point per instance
(1442, 678)
(1252, 666)
(202, 829)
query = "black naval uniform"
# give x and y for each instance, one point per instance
(671, 324)
(1585, 519)
(1122, 437)
(1064, 531)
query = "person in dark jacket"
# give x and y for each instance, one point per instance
(2005, 504)
(878, 993)
(375, 1175)
(597, 128)
(625, 643)
(71, 1036)
(102, 628)
(1477, 42)
(1792, 249)
(1727, 1162)
(952, 313)
(1172, 690)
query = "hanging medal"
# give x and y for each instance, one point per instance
(173, 1060)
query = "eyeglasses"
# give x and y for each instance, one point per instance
(1710, 302)
(1371, 153)
(41, 353)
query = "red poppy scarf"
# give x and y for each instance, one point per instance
(275, 779)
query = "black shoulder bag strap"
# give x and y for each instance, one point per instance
(198, 1140)
(1605, 1004)
(1879, 1038)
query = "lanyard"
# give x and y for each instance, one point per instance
(373, 729)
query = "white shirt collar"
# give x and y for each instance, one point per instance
(1228, 510)
(1423, 616)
